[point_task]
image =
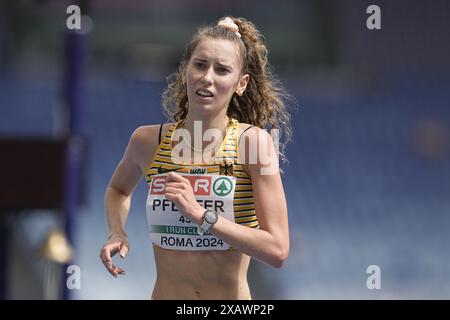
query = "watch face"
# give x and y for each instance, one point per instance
(211, 216)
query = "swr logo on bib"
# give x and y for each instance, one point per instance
(200, 184)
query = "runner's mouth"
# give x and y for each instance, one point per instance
(204, 93)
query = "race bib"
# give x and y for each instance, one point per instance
(170, 230)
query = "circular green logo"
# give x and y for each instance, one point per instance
(222, 186)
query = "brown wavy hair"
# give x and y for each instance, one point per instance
(264, 102)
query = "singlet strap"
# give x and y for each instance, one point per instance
(160, 131)
(239, 140)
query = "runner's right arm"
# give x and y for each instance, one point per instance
(119, 191)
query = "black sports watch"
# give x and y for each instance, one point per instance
(210, 217)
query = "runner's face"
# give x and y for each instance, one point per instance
(213, 75)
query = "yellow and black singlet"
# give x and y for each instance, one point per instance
(213, 182)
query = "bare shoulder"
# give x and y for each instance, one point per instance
(148, 135)
(144, 141)
(243, 127)
(144, 134)
(250, 133)
(257, 151)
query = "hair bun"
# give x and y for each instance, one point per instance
(229, 24)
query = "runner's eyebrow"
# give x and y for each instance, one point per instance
(225, 66)
(200, 60)
(218, 63)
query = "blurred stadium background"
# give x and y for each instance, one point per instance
(368, 181)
